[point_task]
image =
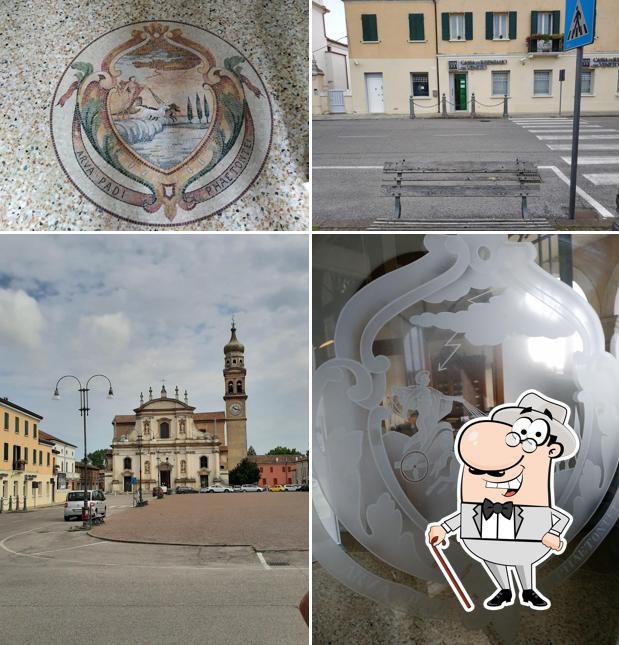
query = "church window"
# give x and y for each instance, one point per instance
(234, 361)
(275, 481)
(230, 387)
(203, 462)
(147, 467)
(127, 463)
(183, 466)
(239, 387)
(164, 430)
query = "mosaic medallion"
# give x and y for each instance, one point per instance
(161, 123)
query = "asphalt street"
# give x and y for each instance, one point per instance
(60, 585)
(348, 155)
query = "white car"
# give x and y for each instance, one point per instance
(75, 503)
(290, 488)
(217, 489)
(252, 488)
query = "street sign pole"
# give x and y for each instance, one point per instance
(575, 132)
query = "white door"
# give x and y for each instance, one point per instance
(374, 89)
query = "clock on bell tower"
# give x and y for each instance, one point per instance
(235, 398)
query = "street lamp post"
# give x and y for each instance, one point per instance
(158, 471)
(140, 455)
(84, 409)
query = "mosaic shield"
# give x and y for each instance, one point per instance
(161, 123)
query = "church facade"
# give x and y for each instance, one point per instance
(168, 443)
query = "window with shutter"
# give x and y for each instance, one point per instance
(513, 25)
(445, 26)
(456, 26)
(489, 25)
(370, 28)
(587, 81)
(416, 30)
(468, 19)
(500, 26)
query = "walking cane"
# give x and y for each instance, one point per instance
(452, 578)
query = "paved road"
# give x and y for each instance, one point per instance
(138, 594)
(348, 156)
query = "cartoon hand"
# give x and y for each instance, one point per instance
(552, 541)
(437, 534)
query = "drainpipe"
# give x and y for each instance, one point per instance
(438, 79)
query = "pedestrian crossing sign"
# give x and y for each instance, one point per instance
(579, 23)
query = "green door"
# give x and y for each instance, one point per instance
(460, 91)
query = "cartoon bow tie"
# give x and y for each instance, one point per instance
(488, 508)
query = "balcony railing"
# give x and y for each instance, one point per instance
(545, 43)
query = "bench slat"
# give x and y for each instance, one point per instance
(465, 180)
(460, 191)
(465, 166)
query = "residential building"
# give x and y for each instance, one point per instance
(26, 464)
(95, 477)
(278, 469)
(330, 70)
(167, 442)
(301, 473)
(63, 452)
(424, 49)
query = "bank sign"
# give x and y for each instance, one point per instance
(454, 65)
(579, 23)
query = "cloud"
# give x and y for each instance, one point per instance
(111, 332)
(20, 318)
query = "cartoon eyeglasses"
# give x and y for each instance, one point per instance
(530, 433)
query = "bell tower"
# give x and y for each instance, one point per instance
(235, 398)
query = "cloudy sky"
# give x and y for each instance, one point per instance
(140, 308)
(335, 20)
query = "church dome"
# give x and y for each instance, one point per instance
(234, 345)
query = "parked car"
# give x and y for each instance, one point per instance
(157, 490)
(217, 488)
(277, 489)
(184, 490)
(252, 488)
(292, 488)
(75, 503)
(304, 488)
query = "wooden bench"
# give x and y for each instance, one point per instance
(461, 179)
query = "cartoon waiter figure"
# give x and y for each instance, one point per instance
(507, 519)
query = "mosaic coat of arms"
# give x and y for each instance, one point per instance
(161, 123)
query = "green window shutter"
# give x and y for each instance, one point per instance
(370, 29)
(468, 25)
(513, 25)
(556, 22)
(489, 25)
(533, 22)
(445, 24)
(416, 29)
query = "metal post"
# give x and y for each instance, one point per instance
(505, 106)
(444, 105)
(84, 412)
(10, 503)
(24, 508)
(616, 222)
(411, 107)
(473, 105)
(575, 132)
(1, 503)
(16, 503)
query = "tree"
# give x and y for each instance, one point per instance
(206, 110)
(199, 109)
(245, 472)
(251, 450)
(282, 450)
(97, 458)
(189, 111)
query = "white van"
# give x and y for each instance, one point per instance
(75, 503)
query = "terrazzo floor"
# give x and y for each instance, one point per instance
(41, 37)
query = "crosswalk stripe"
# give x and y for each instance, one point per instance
(587, 146)
(593, 161)
(604, 178)
(562, 131)
(582, 137)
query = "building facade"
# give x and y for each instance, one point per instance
(278, 470)
(424, 49)
(330, 70)
(26, 461)
(67, 477)
(166, 442)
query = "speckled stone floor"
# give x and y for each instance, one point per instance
(583, 612)
(41, 37)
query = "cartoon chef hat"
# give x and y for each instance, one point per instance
(536, 418)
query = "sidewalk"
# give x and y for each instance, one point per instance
(452, 115)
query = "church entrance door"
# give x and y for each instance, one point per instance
(127, 483)
(203, 481)
(165, 478)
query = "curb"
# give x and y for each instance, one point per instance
(251, 546)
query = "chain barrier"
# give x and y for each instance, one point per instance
(442, 105)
